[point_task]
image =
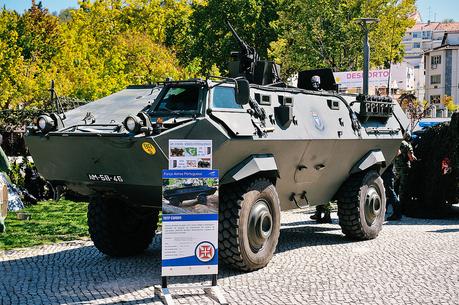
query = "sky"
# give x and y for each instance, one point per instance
(434, 10)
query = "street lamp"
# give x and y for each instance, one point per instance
(364, 22)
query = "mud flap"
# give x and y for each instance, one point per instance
(373, 157)
(255, 164)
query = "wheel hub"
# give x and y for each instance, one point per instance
(260, 225)
(373, 205)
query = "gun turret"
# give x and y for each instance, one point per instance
(247, 56)
(249, 65)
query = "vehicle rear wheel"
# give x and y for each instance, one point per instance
(202, 199)
(249, 224)
(118, 229)
(362, 205)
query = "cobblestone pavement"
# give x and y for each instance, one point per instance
(411, 262)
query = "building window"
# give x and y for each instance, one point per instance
(416, 34)
(434, 99)
(434, 61)
(427, 35)
(416, 45)
(435, 79)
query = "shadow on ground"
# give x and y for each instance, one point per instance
(83, 274)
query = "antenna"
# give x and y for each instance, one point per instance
(364, 22)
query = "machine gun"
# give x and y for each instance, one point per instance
(249, 65)
(247, 56)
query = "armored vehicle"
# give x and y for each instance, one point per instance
(199, 192)
(277, 147)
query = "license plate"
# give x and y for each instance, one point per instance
(105, 178)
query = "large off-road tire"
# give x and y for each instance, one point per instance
(118, 229)
(249, 224)
(362, 205)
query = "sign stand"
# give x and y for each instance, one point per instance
(190, 218)
(213, 291)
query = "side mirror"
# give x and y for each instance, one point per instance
(242, 91)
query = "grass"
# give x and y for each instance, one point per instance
(49, 222)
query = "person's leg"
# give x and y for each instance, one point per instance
(391, 196)
(397, 213)
(402, 194)
(396, 203)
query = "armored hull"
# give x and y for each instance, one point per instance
(314, 154)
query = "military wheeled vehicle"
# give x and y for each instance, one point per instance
(199, 192)
(277, 147)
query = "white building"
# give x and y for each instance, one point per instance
(419, 39)
(442, 69)
(402, 78)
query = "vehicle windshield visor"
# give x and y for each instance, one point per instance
(179, 99)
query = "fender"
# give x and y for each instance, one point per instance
(255, 164)
(374, 157)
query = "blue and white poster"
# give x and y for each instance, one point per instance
(190, 222)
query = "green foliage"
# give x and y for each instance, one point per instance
(104, 45)
(92, 51)
(50, 222)
(16, 174)
(211, 39)
(319, 34)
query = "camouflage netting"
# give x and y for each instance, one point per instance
(433, 180)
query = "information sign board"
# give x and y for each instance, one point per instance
(190, 154)
(190, 222)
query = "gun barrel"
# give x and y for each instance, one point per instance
(241, 42)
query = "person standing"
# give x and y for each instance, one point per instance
(391, 197)
(402, 166)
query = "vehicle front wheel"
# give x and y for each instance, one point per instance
(362, 206)
(118, 229)
(249, 224)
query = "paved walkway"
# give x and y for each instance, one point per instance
(411, 262)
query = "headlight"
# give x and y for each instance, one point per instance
(132, 124)
(41, 123)
(45, 123)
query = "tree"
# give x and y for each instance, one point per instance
(109, 47)
(324, 34)
(13, 79)
(211, 40)
(29, 42)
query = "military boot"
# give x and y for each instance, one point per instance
(326, 218)
(397, 214)
(317, 215)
